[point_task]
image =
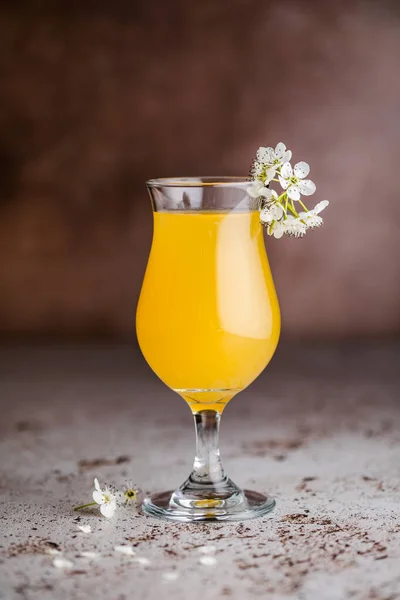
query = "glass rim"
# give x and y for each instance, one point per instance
(200, 182)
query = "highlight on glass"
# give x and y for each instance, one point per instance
(208, 323)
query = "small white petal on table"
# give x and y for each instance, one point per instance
(170, 575)
(143, 561)
(301, 169)
(89, 555)
(208, 561)
(207, 549)
(62, 563)
(127, 550)
(53, 552)
(85, 528)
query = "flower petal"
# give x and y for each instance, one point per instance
(301, 169)
(284, 183)
(264, 155)
(306, 187)
(127, 550)
(265, 216)
(280, 150)
(270, 174)
(143, 561)
(286, 170)
(89, 555)
(108, 509)
(320, 206)
(276, 212)
(62, 563)
(85, 528)
(287, 157)
(253, 190)
(96, 484)
(293, 191)
(278, 231)
(98, 497)
(208, 561)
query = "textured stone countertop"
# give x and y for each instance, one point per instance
(320, 430)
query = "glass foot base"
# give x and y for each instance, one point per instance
(169, 506)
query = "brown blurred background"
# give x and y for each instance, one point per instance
(98, 97)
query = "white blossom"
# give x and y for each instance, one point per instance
(85, 528)
(294, 182)
(106, 498)
(294, 226)
(271, 213)
(257, 189)
(311, 217)
(130, 493)
(269, 160)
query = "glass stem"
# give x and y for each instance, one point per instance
(207, 467)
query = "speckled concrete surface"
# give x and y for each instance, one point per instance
(320, 430)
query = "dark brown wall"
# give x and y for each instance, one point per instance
(97, 97)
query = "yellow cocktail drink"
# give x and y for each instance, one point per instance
(208, 318)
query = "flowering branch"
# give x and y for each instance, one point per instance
(273, 165)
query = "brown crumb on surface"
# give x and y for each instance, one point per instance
(94, 463)
(36, 546)
(272, 447)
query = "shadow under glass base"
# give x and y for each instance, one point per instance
(176, 506)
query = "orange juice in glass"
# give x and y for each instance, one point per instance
(208, 323)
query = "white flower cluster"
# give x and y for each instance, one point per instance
(108, 499)
(279, 212)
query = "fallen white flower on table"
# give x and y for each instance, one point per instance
(127, 550)
(130, 493)
(62, 563)
(208, 561)
(207, 549)
(85, 528)
(170, 575)
(106, 498)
